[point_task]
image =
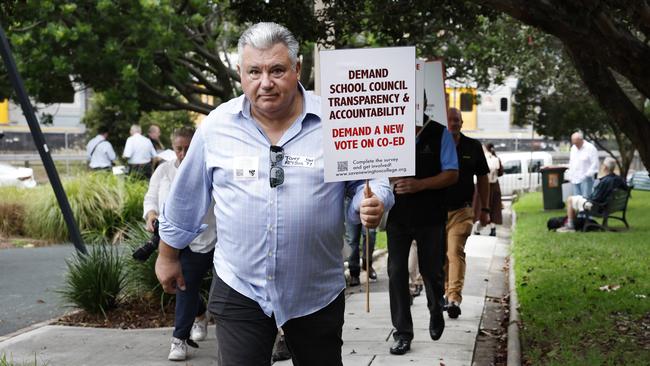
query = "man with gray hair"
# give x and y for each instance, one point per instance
(277, 261)
(583, 165)
(602, 191)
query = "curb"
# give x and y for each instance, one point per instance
(27, 329)
(514, 344)
(35, 326)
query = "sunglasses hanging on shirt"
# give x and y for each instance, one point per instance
(276, 174)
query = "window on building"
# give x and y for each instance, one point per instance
(466, 102)
(504, 104)
(512, 167)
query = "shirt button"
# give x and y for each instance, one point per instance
(270, 228)
(270, 278)
(270, 254)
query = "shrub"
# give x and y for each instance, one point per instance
(95, 281)
(101, 203)
(11, 218)
(12, 211)
(142, 280)
(134, 191)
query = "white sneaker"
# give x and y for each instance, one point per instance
(178, 351)
(199, 330)
(566, 229)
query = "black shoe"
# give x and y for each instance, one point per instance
(400, 347)
(354, 281)
(281, 351)
(372, 274)
(436, 325)
(453, 310)
(493, 231)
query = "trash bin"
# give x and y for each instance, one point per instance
(552, 179)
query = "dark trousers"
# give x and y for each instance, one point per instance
(354, 234)
(245, 335)
(189, 303)
(140, 171)
(431, 258)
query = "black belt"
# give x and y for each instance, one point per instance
(458, 206)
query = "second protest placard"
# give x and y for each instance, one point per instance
(368, 112)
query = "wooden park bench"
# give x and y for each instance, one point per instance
(616, 203)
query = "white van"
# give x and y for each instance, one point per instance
(521, 171)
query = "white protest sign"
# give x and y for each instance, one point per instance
(434, 90)
(368, 112)
(419, 93)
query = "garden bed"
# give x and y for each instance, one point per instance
(131, 314)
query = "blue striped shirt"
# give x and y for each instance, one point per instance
(280, 247)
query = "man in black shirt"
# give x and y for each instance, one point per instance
(471, 162)
(419, 214)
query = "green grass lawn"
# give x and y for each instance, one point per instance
(380, 240)
(567, 318)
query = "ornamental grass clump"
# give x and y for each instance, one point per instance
(142, 282)
(95, 281)
(134, 191)
(12, 211)
(96, 203)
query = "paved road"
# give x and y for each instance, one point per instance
(29, 279)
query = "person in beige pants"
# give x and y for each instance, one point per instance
(460, 215)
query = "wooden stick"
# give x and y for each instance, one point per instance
(368, 193)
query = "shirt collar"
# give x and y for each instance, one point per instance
(310, 106)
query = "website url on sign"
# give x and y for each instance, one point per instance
(373, 171)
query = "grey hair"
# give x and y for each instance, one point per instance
(135, 129)
(265, 35)
(577, 134)
(610, 164)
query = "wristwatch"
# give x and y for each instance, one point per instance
(485, 209)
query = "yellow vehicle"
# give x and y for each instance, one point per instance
(4, 112)
(464, 99)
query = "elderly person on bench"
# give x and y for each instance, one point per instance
(608, 183)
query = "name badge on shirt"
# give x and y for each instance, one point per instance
(299, 161)
(246, 167)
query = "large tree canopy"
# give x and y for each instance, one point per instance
(609, 45)
(172, 54)
(164, 55)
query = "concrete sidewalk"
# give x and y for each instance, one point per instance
(367, 336)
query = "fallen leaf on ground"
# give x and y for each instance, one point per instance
(609, 288)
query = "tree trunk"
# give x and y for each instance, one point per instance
(601, 83)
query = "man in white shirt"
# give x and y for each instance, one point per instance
(583, 165)
(139, 151)
(99, 151)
